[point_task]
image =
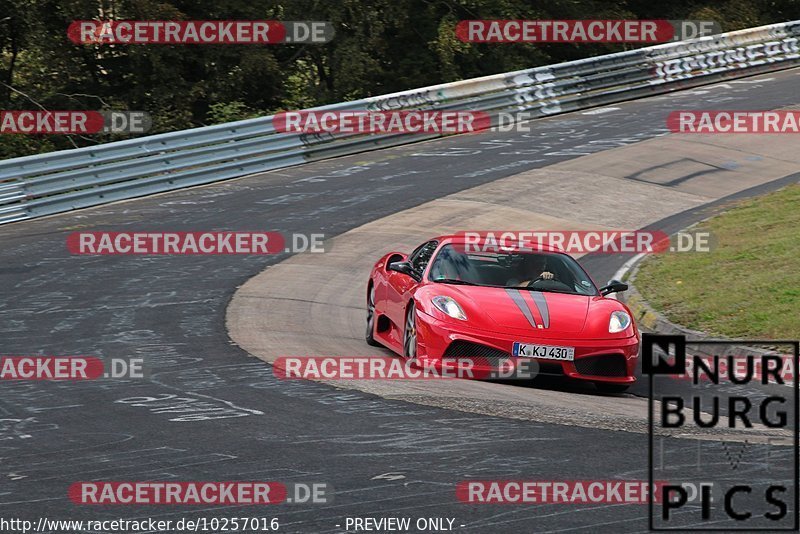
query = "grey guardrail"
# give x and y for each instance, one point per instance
(45, 184)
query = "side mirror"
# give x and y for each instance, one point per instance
(403, 267)
(613, 286)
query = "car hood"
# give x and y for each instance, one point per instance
(506, 309)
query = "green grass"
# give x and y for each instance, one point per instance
(748, 286)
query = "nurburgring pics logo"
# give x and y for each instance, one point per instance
(582, 31)
(382, 122)
(777, 369)
(125, 32)
(192, 243)
(746, 425)
(74, 122)
(734, 122)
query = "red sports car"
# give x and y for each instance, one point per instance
(444, 301)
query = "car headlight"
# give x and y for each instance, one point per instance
(619, 322)
(449, 306)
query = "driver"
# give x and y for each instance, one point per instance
(535, 263)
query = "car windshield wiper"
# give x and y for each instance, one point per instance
(455, 281)
(551, 291)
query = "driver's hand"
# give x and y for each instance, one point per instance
(546, 275)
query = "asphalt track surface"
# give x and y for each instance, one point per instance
(383, 458)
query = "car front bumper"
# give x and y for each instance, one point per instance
(611, 361)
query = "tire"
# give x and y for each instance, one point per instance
(410, 333)
(371, 318)
(605, 387)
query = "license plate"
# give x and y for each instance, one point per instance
(547, 352)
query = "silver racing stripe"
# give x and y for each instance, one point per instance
(541, 304)
(522, 305)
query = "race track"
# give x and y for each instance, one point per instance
(379, 451)
(310, 305)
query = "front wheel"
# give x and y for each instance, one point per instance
(370, 337)
(410, 333)
(605, 387)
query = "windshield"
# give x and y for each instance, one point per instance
(534, 270)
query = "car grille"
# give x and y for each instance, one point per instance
(481, 355)
(603, 365)
(493, 358)
(548, 368)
